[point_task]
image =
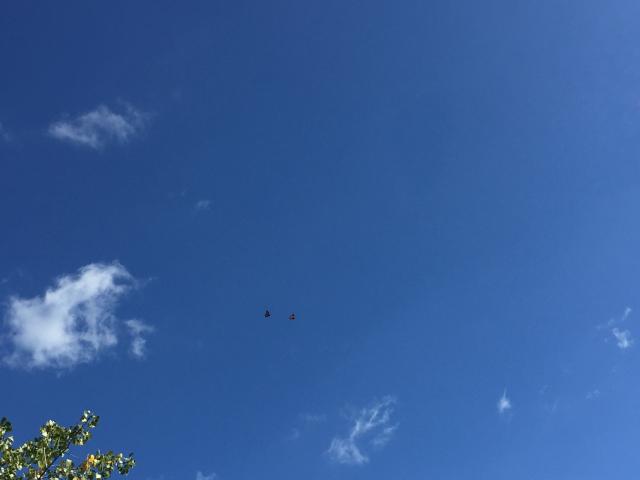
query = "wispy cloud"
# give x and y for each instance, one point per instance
(4, 134)
(138, 329)
(615, 320)
(71, 323)
(384, 437)
(305, 422)
(202, 476)
(504, 403)
(593, 394)
(372, 424)
(202, 205)
(313, 417)
(623, 338)
(627, 312)
(97, 128)
(551, 407)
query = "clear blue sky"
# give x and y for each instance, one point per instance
(446, 193)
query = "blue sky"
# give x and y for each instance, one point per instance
(445, 193)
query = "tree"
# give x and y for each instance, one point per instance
(43, 458)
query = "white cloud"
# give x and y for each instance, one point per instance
(203, 205)
(372, 423)
(137, 329)
(71, 323)
(504, 403)
(98, 127)
(623, 338)
(202, 476)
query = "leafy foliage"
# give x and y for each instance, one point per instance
(43, 458)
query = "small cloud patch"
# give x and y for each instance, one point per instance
(99, 127)
(202, 205)
(202, 476)
(372, 425)
(504, 404)
(593, 394)
(623, 338)
(138, 329)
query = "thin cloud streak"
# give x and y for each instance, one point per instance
(99, 127)
(372, 423)
(615, 321)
